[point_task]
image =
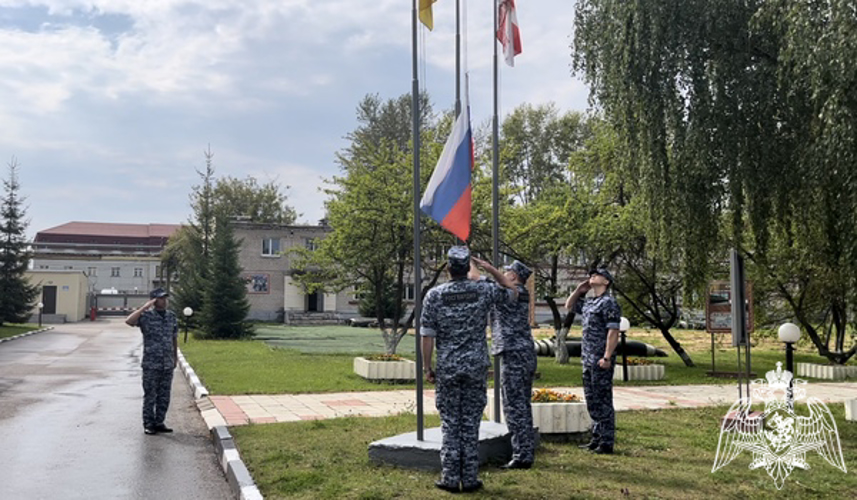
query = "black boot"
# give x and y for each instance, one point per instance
(447, 487)
(589, 446)
(604, 449)
(473, 487)
(517, 464)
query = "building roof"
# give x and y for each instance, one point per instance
(112, 229)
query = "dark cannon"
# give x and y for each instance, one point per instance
(547, 347)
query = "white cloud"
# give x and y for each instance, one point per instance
(120, 97)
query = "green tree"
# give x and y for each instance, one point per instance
(545, 213)
(192, 242)
(17, 295)
(536, 144)
(737, 122)
(370, 212)
(257, 202)
(225, 305)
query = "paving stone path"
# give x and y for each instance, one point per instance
(260, 409)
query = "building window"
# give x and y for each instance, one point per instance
(271, 247)
(91, 271)
(408, 292)
(158, 271)
(138, 272)
(310, 244)
(114, 272)
(44, 267)
(68, 267)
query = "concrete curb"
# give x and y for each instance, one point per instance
(7, 339)
(199, 390)
(239, 478)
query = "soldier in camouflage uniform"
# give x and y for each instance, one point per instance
(600, 318)
(455, 315)
(160, 330)
(512, 339)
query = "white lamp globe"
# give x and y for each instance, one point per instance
(187, 311)
(789, 333)
(624, 324)
(41, 305)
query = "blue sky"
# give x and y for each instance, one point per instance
(108, 105)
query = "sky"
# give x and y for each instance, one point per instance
(108, 105)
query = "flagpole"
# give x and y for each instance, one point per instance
(457, 57)
(415, 111)
(495, 197)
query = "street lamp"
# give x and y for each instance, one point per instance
(624, 326)
(789, 333)
(41, 306)
(188, 312)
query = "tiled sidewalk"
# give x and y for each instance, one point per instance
(240, 410)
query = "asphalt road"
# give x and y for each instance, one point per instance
(71, 424)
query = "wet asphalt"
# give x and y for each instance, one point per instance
(71, 424)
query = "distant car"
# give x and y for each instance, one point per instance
(109, 291)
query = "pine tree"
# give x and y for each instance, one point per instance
(192, 243)
(17, 295)
(225, 305)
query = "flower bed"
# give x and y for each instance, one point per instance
(639, 369)
(828, 372)
(553, 412)
(392, 369)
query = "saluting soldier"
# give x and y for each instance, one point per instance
(455, 315)
(160, 330)
(600, 317)
(512, 340)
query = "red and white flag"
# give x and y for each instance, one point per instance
(507, 31)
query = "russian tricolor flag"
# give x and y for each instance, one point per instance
(447, 197)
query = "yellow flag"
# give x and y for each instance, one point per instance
(425, 13)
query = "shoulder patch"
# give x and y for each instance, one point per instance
(460, 297)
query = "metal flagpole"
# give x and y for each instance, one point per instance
(457, 57)
(495, 197)
(415, 111)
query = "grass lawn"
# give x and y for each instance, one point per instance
(660, 454)
(251, 367)
(328, 339)
(10, 330)
(312, 362)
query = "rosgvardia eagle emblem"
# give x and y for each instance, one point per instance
(780, 439)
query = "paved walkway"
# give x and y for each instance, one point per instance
(261, 409)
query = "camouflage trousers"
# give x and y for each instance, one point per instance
(460, 402)
(156, 395)
(598, 391)
(516, 377)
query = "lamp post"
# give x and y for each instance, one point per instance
(188, 312)
(789, 333)
(41, 306)
(624, 326)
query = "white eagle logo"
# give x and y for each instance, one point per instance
(779, 439)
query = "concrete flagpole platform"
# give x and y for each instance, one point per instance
(404, 450)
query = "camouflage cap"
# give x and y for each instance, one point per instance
(602, 271)
(520, 269)
(459, 259)
(157, 293)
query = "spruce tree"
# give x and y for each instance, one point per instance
(17, 295)
(193, 243)
(225, 305)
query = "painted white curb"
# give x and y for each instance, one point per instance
(828, 372)
(237, 475)
(851, 409)
(7, 339)
(639, 372)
